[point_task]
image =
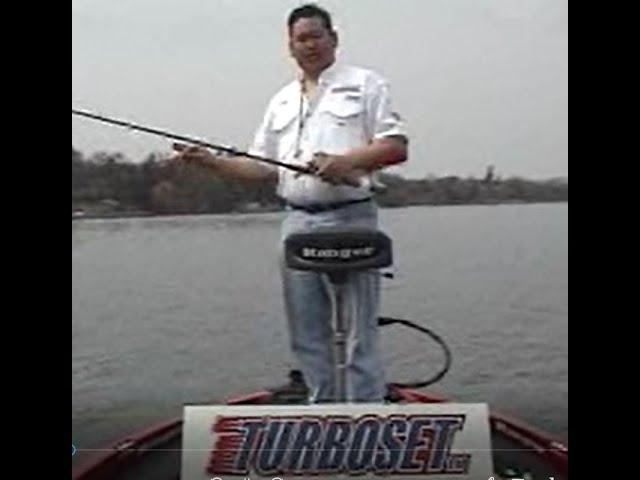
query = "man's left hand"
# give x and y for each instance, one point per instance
(335, 169)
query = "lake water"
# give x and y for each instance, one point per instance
(175, 310)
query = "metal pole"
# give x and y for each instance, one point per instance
(341, 335)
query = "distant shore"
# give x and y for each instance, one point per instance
(109, 186)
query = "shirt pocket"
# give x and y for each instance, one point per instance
(343, 125)
(283, 117)
(283, 128)
(343, 109)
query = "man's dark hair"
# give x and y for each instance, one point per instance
(310, 10)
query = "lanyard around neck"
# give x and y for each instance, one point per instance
(298, 152)
(302, 116)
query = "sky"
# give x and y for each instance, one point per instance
(479, 82)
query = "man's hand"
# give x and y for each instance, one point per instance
(335, 169)
(194, 155)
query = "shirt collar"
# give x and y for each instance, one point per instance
(326, 76)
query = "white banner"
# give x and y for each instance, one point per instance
(442, 441)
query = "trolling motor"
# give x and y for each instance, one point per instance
(337, 252)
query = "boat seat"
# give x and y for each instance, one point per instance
(335, 250)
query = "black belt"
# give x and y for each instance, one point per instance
(325, 207)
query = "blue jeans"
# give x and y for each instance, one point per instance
(308, 302)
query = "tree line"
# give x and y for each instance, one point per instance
(106, 184)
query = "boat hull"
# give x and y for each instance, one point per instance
(155, 453)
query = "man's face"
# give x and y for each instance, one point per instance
(312, 45)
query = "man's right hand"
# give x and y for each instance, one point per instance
(194, 155)
(231, 168)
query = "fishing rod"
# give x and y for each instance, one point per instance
(375, 185)
(191, 140)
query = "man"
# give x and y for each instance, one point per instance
(336, 120)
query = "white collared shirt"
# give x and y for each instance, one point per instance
(351, 107)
